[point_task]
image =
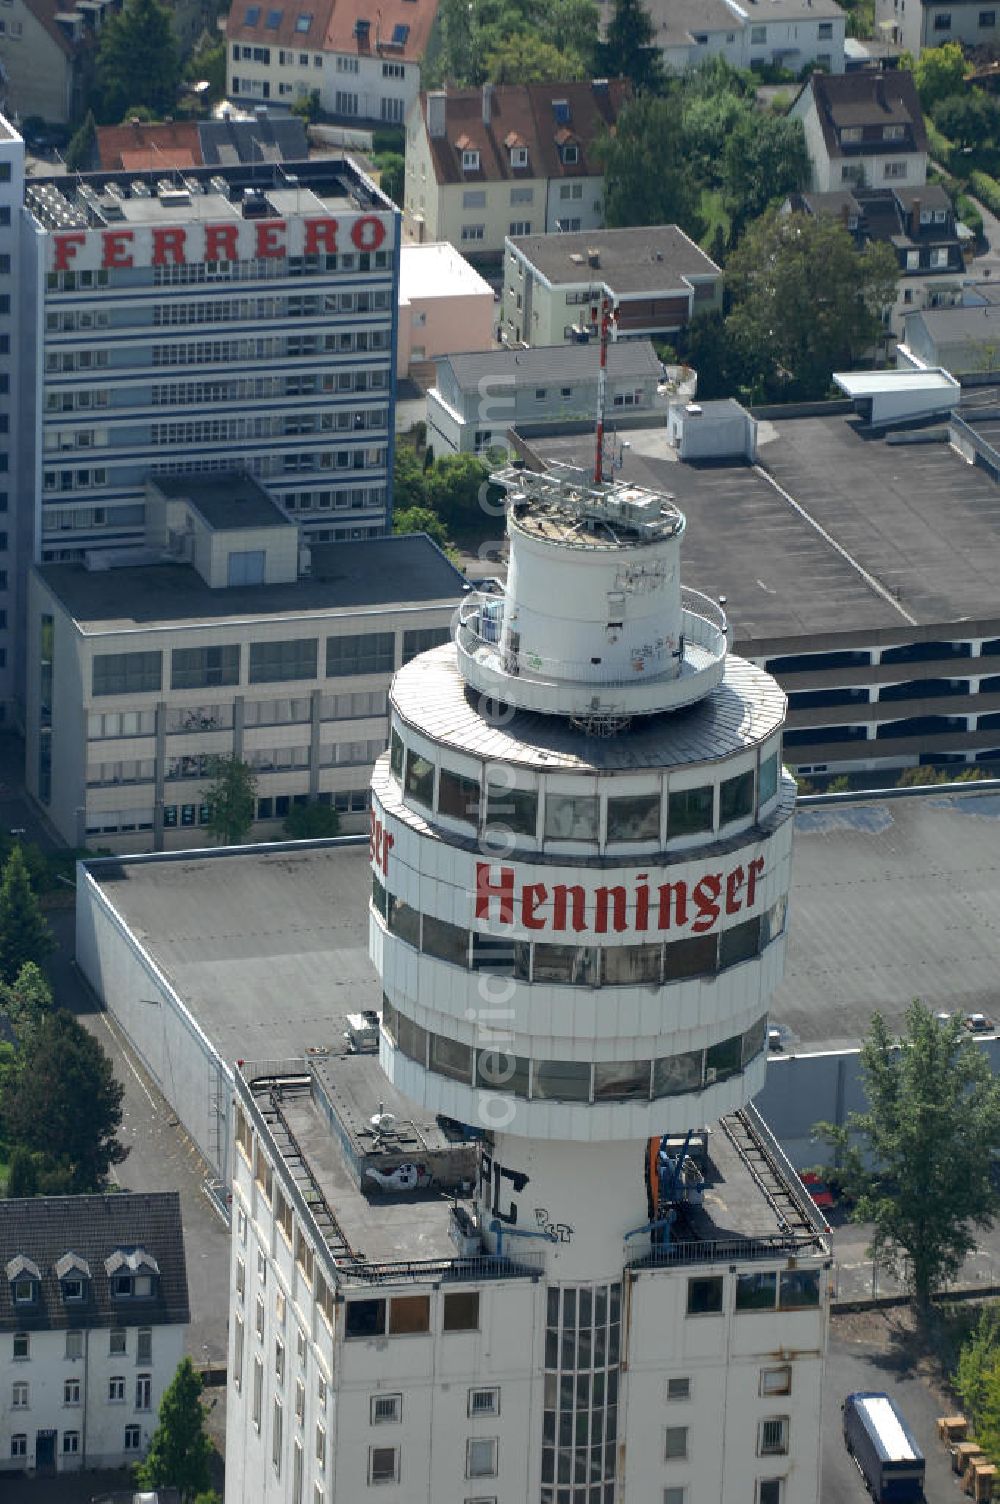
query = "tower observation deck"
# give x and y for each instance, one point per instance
(580, 842)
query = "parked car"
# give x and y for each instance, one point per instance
(818, 1189)
(978, 1023)
(883, 1448)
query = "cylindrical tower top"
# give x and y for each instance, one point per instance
(593, 623)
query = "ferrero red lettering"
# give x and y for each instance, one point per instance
(321, 235)
(270, 239)
(367, 234)
(66, 246)
(117, 252)
(168, 245)
(222, 243)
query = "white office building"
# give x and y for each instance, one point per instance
(608, 1286)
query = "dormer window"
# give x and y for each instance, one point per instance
(560, 109)
(519, 156)
(131, 1273)
(470, 160)
(850, 134)
(73, 1274)
(570, 153)
(25, 1277)
(893, 132)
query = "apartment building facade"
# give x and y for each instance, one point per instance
(516, 159)
(11, 293)
(93, 1317)
(863, 129)
(362, 60)
(139, 676)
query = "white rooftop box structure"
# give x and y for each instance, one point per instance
(712, 431)
(900, 396)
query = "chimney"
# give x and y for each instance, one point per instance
(487, 103)
(593, 256)
(437, 106)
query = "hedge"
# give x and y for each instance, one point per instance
(986, 189)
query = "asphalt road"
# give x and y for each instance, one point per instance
(863, 1355)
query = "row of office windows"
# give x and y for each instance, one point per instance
(275, 425)
(72, 1391)
(257, 269)
(267, 663)
(542, 815)
(270, 807)
(199, 352)
(573, 1080)
(234, 310)
(117, 1345)
(358, 705)
(650, 965)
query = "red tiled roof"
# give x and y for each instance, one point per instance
(525, 115)
(140, 144)
(394, 30)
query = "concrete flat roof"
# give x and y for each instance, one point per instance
(891, 899)
(437, 270)
(877, 383)
(392, 572)
(831, 531)
(227, 502)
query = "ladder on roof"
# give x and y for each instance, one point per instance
(767, 1174)
(288, 1147)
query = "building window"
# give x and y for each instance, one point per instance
(705, 1295)
(772, 1437)
(758, 36)
(19, 1396)
(144, 1345)
(386, 1409)
(470, 160)
(116, 1389)
(987, 19)
(201, 668)
(133, 1438)
(894, 170)
(258, 1392)
(293, 658)
(360, 653)
(143, 1391)
(484, 1401)
(71, 1391)
(19, 1445)
(409, 1314)
(474, 198)
(116, 1342)
(776, 1380)
(520, 227)
(22, 1345)
(798, 1289)
(825, 31)
(70, 1443)
(276, 1437)
(481, 1457)
(461, 1311)
(365, 1318)
(383, 1465)
(675, 1495)
(676, 1444)
(942, 21)
(769, 1490)
(690, 811)
(678, 1389)
(420, 639)
(756, 1292)
(473, 232)
(127, 673)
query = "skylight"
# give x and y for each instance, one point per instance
(304, 21)
(400, 34)
(273, 20)
(252, 16)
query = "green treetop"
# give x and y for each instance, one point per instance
(24, 932)
(180, 1451)
(232, 801)
(137, 60)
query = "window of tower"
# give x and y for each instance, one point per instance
(768, 782)
(723, 1060)
(690, 811)
(419, 779)
(562, 1080)
(621, 1080)
(396, 755)
(449, 942)
(578, 964)
(634, 818)
(572, 817)
(514, 810)
(736, 797)
(632, 965)
(404, 921)
(451, 1058)
(496, 1070)
(675, 1075)
(741, 943)
(459, 797)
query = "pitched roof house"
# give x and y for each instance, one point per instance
(512, 159)
(93, 1311)
(863, 129)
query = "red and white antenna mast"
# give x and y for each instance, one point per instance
(604, 317)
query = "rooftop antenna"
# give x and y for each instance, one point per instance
(604, 318)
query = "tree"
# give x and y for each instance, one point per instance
(938, 72)
(806, 300)
(24, 931)
(524, 58)
(232, 801)
(629, 48)
(64, 1102)
(420, 520)
(647, 180)
(409, 486)
(137, 60)
(968, 119)
(574, 29)
(311, 822)
(764, 159)
(390, 166)
(208, 63)
(81, 149)
(307, 106)
(180, 1452)
(918, 1161)
(458, 490)
(977, 1379)
(27, 1001)
(22, 1177)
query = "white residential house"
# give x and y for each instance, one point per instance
(783, 33)
(931, 23)
(93, 1315)
(362, 59)
(863, 129)
(517, 159)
